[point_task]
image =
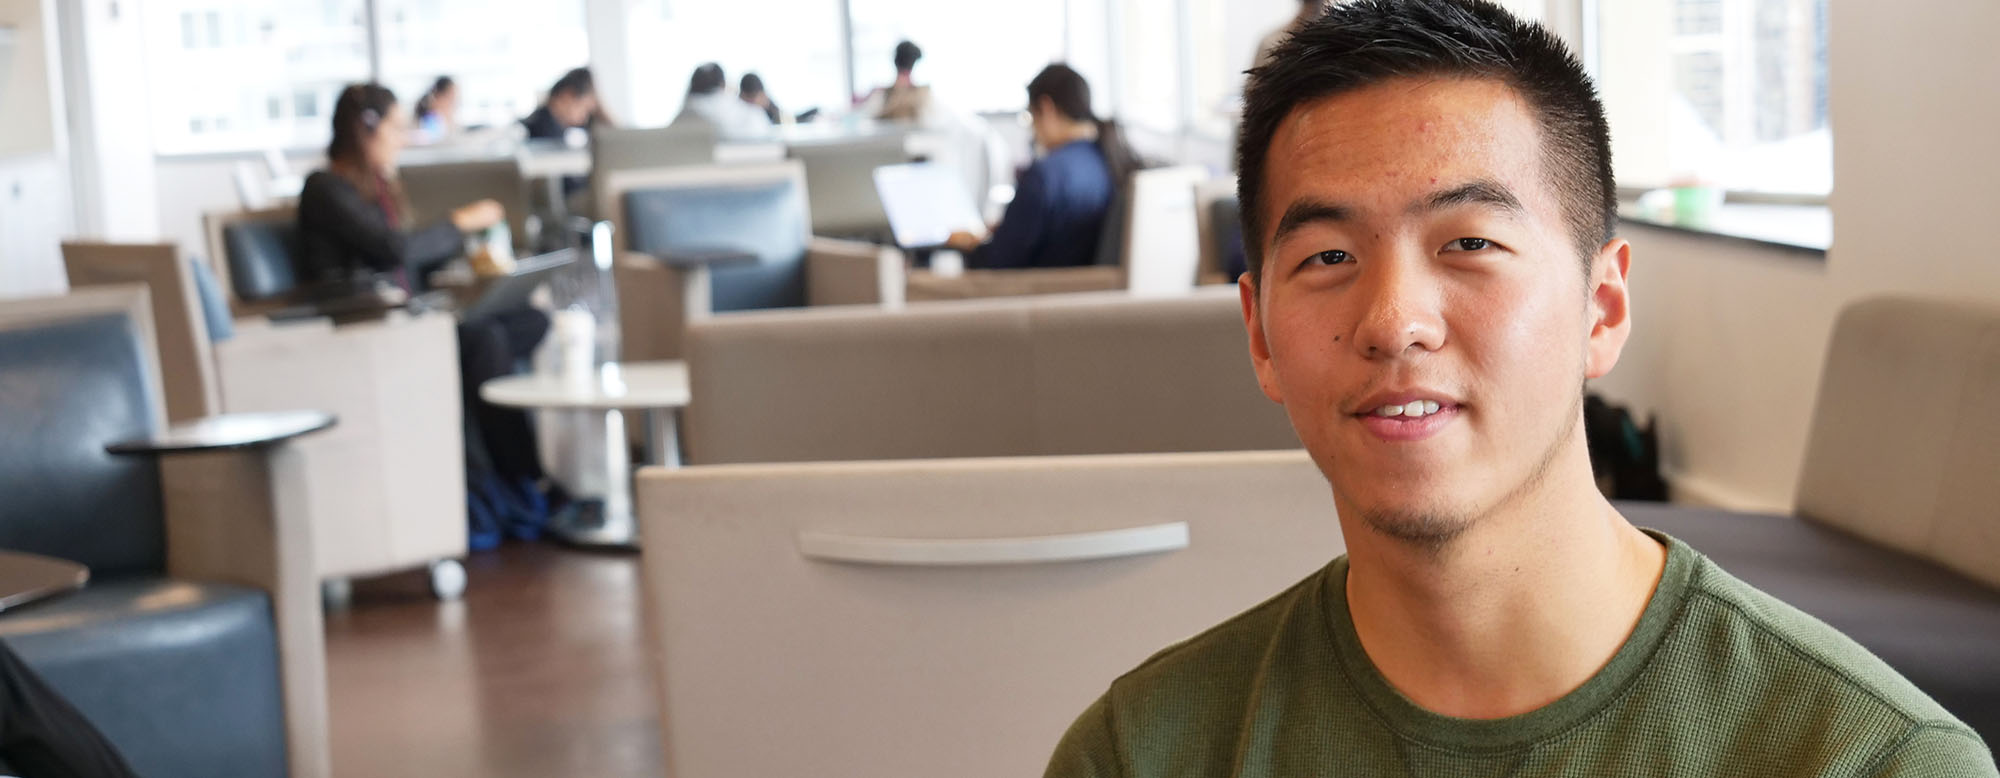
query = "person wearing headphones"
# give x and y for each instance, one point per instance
(354, 220)
(354, 223)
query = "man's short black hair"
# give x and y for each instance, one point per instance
(576, 83)
(907, 55)
(707, 79)
(1362, 43)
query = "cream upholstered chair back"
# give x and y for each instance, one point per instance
(187, 361)
(945, 617)
(1905, 444)
(1097, 373)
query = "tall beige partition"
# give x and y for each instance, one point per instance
(945, 617)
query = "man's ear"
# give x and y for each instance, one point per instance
(1260, 349)
(1610, 307)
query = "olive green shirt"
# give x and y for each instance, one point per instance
(1717, 679)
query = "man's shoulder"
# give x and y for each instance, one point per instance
(1776, 633)
(1808, 676)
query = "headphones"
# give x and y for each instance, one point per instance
(370, 118)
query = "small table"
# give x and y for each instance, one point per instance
(25, 578)
(659, 389)
(228, 431)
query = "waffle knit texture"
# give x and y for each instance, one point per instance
(1717, 679)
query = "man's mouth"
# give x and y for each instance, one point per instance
(1414, 409)
(1409, 418)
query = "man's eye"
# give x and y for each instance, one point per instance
(1334, 257)
(1468, 244)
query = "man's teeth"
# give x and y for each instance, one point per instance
(1414, 410)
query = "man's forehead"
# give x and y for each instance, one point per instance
(1392, 143)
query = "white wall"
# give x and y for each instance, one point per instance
(1729, 341)
(34, 216)
(35, 205)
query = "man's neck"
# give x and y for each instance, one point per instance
(1526, 605)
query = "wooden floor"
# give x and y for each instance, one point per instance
(537, 672)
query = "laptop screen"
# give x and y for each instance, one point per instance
(925, 203)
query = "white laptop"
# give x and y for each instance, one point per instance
(925, 203)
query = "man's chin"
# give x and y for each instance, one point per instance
(1419, 512)
(1430, 528)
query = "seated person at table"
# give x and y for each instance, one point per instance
(1061, 201)
(571, 105)
(437, 111)
(352, 219)
(752, 93)
(904, 100)
(709, 102)
(1433, 275)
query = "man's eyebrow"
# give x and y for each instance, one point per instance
(1481, 192)
(1309, 211)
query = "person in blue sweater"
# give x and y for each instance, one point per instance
(1061, 201)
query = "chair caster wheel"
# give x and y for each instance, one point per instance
(447, 579)
(335, 593)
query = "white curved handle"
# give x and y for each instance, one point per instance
(1046, 549)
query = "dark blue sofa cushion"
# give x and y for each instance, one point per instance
(182, 678)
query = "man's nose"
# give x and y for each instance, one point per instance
(1400, 311)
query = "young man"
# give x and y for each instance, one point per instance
(1427, 192)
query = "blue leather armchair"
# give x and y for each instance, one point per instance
(758, 209)
(197, 646)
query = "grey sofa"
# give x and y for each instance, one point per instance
(197, 646)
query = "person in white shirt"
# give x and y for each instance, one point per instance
(709, 101)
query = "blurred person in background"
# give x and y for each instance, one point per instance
(437, 110)
(1061, 201)
(904, 100)
(353, 218)
(354, 221)
(572, 104)
(709, 102)
(751, 92)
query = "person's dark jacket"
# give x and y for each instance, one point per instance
(343, 235)
(542, 125)
(1059, 208)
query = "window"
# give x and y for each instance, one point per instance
(502, 54)
(215, 66)
(1729, 93)
(978, 57)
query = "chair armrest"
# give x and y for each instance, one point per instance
(925, 285)
(228, 431)
(655, 302)
(239, 515)
(840, 272)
